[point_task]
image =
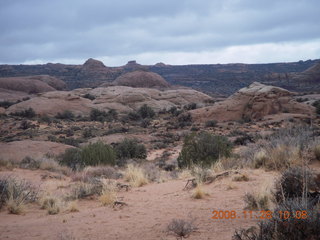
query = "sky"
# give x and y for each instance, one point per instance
(169, 31)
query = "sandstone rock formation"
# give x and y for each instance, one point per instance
(253, 103)
(121, 98)
(54, 102)
(18, 150)
(32, 84)
(141, 79)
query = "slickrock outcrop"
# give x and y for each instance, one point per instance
(120, 98)
(32, 84)
(18, 150)
(253, 103)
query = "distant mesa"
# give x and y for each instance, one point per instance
(141, 79)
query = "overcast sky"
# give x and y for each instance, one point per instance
(151, 31)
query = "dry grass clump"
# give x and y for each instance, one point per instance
(88, 173)
(135, 176)
(15, 206)
(108, 197)
(109, 193)
(73, 206)
(260, 158)
(7, 164)
(198, 192)
(51, 204)
(241, 178)
(282, 149)
(15, 193)
(44, 163)
(201, 174)
(260, 200)
(181, 228)
(185, 174)
(83, 190)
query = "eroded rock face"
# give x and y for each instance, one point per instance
(18, 150)
(32, 84)
(121, 98)
(141, 79)
(253, 103)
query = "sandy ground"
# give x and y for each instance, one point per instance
(150, 208)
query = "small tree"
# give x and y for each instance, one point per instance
(203, 149)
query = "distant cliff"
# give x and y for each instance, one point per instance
(210, 78)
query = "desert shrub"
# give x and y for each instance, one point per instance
(66, 115)
(282, 149)
(6, 104)
(29, 163)
(102, 116)
(45, 119)
(190, 106)
(146, 112)
(28, 113)
(26, 125)
(89, 96)
(243, 140)
(211, 123)
(303, 223)
(15, 193)
(145, 123)
(316, 104)
(295, 182)
(72, 158)
(87, 133)
(83, 190)
(181, 228)
(98, 153)
(116, 130)
(130, 148)
(203, 149)
(133, 116)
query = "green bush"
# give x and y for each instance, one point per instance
(98, 153)
(72, 158)
(65, 115)
(102, 116)
(211, 123)
(91, 155)
(316, 104)
(28, 113)
(146, 112)
(130, 148)
(190, 106)
(203, 149)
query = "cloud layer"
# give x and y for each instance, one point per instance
(174, 32)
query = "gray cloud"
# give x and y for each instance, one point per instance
(43, 30)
